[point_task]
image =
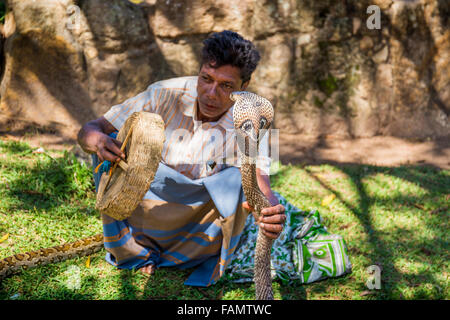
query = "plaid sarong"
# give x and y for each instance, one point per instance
(180, 223)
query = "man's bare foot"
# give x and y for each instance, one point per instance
(148, 269)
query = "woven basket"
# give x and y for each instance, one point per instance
(121, 190)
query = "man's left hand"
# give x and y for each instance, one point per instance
(271, 220)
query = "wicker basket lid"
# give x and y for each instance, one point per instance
(121, 189)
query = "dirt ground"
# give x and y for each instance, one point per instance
(295, 149)
(378, 150)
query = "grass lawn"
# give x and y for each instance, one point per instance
(395, 218)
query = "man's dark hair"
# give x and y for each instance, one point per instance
(229, 48)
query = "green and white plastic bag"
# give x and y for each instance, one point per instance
(304, 251)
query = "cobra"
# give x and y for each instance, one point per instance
(252, 115)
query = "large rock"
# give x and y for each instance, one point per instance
(326, 72)
(69, 64)
(43, 77)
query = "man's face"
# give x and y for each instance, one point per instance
(213, 90)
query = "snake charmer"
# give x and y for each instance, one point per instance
(195, 210)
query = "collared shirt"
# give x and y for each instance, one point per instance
(194, 148)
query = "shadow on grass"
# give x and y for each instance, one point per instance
(168, 283)
(127, 290)
(294, 291)
(51, 282)
(41, 181)
(48, 182)
(383, 251)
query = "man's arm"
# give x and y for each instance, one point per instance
(93, 138)
(272, 219)
(264, 186)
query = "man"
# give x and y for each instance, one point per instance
(195, 227)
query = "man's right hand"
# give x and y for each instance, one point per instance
(94, 138)
(108, 148)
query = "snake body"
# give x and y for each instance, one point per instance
(78, 248)
(251, 115)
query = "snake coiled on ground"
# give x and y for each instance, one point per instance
(119, 191)
(252, 115)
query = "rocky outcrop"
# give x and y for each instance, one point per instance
(325, 70)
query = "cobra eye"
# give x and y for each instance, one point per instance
(262, 123)
(247, 126)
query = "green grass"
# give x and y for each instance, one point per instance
(2, 11)
(397, 218)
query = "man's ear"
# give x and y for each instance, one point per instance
(245, 85)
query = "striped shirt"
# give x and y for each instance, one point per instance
(194, 148)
